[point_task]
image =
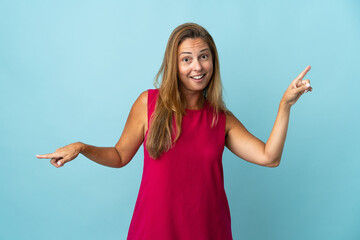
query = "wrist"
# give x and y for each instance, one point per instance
(284, 105)
(81, 146)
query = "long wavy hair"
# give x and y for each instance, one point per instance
(165, 122)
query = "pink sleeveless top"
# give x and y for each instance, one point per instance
(182, 195)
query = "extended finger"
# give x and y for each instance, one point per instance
(303, 73)
(50, 155)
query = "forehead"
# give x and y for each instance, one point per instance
(192, 45)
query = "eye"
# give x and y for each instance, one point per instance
(186, 59)
(204, 57)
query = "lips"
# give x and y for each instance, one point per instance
(198, 78)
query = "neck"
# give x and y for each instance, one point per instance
(194, 100)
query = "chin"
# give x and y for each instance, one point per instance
(196, 87)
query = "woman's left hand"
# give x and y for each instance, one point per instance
(297, 88)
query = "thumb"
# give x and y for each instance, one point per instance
(62, 162)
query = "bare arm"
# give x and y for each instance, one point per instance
(246, 146)
(118, 156)
(107, 156)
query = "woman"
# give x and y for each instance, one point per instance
(184, 126)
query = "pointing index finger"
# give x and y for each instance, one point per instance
(303, 73)
(50, 155)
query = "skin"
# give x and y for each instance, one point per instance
(194, 58)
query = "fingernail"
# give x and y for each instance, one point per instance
(305, 91)
(59, 163)
(307, 85)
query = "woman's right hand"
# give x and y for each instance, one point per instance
(64, 154)
(297, 88)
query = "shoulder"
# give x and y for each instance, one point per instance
(146, 101)
(140, 106)
(141, 101)
(138, 112)
(143, 97)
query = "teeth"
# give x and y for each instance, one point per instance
(198, 77)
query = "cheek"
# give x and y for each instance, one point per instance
(210, 68)
(182, 70)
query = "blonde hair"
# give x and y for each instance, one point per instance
(170, 103)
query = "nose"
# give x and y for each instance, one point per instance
(197, 66)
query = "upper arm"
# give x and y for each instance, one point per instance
(242, 143)
(134, 130)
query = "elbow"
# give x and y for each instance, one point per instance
(273, 162)
(119, 163)
(117, 166)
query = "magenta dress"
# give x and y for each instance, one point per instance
(182, 195)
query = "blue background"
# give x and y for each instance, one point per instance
(70, 71)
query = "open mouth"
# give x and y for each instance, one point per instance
(198, 77)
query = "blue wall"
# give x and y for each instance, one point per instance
(70, 71)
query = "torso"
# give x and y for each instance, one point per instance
(229, 117)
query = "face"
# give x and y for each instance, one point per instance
(195, 65)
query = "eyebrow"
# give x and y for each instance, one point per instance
(191, 53)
